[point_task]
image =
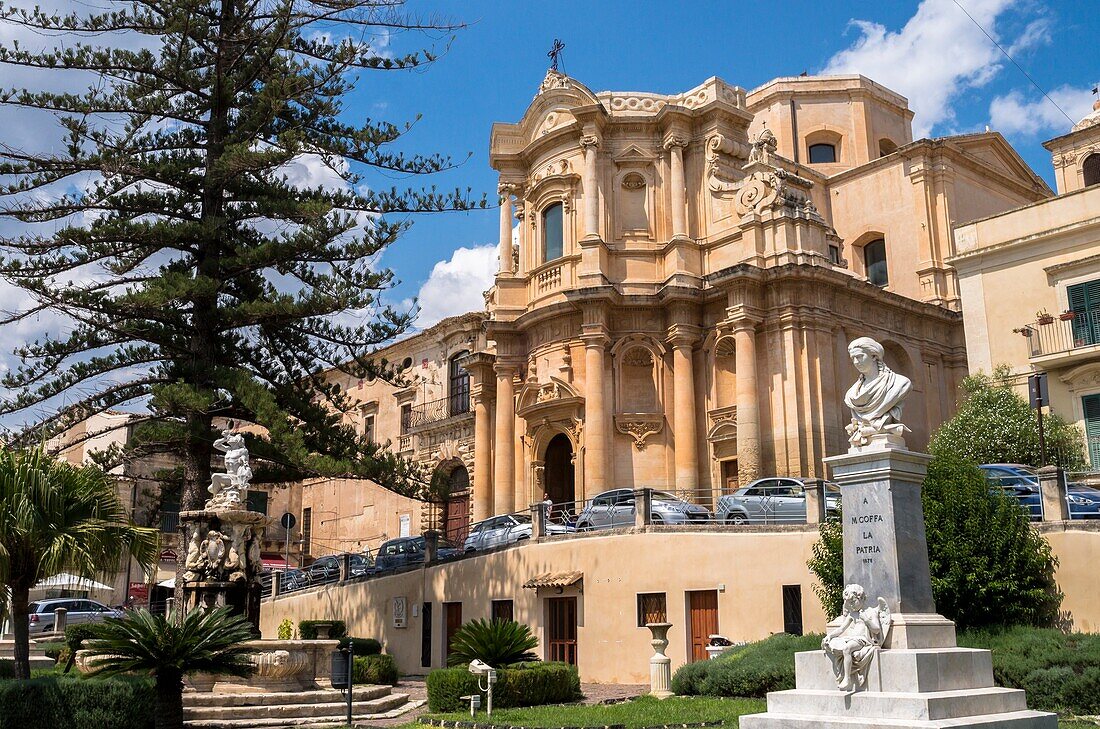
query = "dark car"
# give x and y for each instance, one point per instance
(1022, 483)
(407, 551)
(327, 569)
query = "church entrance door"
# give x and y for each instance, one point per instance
(560, 477)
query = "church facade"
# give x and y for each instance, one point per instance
(679, 276)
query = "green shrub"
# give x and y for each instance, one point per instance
(1059, 672)
(285, 630)
(749, 671)
(7, 668)
(51, 702)
(53, 650)
(363, 646)
(497, 642)
(76, 634)
(375, 669)
(308, 629)
(524, 684)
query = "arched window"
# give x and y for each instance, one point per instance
(553, 232)
(822, 154)
(459, 386)
(886, 146)
(874, 262)
(1091, 169)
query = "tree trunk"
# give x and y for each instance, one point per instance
(169, 700)
(20, 596)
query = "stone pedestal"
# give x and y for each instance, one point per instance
(660, 665)
(223, 565)
(281, 665)
(919, 678)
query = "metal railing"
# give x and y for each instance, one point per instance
(436, 410)
(1055, 334)
(169, 521)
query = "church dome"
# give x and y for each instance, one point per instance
(1091, 120)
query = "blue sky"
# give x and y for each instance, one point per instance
(954, 77)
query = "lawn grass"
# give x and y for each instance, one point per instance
(641, 712)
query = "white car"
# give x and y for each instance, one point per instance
(507, 529)
(773, 500)
(41, 612)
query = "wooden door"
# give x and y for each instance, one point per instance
(452, 620)
(562, 628)
(703, 621)
(456, 520)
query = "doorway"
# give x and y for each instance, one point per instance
(562, 629)
(452, 621)
(729, 476)
(456, 509)
(560, 478)
(702, 621)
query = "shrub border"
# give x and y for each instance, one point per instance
(453, 724)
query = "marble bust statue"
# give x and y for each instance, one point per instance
(876, 397)
(853, 643)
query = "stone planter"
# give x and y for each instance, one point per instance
(281, 665)
(660, 665)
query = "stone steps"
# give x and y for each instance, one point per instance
(1010, 720)
(314, 708)
(927, 706)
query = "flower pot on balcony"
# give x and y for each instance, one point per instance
(1044, 320)
(1067, 315)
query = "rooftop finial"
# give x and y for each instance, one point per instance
(555, 53)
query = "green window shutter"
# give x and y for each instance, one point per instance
(1091, 405)
(1084, 301)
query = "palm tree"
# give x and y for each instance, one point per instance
(498, 642)
(56, 517)
(168, 649)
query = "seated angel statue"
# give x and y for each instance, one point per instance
(854, 642)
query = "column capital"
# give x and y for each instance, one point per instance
(673, 140)
(504, 368)
(506, 188)
(595, 336)
(590, 141)
(683, 335)
(739, 320)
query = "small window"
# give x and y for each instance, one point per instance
(406, 418)
(503, 610)
(792, 609)
(651, 608)
(307, 529)
(886, 146)
(368, 428)
(553, 231)
(1091, 169)
(834, 255)
(822, 154)
(874, 261)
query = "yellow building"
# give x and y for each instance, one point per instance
(1030, 282)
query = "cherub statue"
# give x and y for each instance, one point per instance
(877, 397)
(763, 146)
(193, 565)
(854, 642)
(229, 488)
(214, 552)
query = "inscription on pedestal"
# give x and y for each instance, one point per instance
(868, 544)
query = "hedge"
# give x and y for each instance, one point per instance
(375, 669)
(308, 629)
(747, 671)
(7, 668)
(1059, 672)
(522, 684)
(52, 702)
(363, 646)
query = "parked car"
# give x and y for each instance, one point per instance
(771, 500)
(615, 508)
(507, 529)
(406, 551)
(294, 580)
(327, 568)
(41, 612)
(1022, 483)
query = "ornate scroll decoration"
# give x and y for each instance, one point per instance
(639, 427)
(553, 80)
(763, 146)
(590, 141)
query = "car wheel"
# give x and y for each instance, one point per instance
(583, 526)
(737, 519)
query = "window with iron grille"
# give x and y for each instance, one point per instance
(459, 380)
(503, 610)
(792, 609)
(307, 529)
(406, 418)
(651, 608)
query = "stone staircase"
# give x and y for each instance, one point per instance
(315, 709)
(38, 659)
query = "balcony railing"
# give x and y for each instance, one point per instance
(169, 521)
(441, 409)
(1063, 335)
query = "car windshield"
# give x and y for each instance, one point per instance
(33, 607)
(664, 496)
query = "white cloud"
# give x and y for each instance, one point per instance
(938, 54)
(456, 286)
(1015, 113)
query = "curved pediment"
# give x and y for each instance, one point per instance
(536, 397)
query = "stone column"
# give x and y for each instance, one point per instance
(595, 416)
(815, 500)
(504, 473)
(521, 218)
(483, 458)
(506, 190)
(683, 420)
(748, 408)
(675, 146)
(1052, 492)
(590, 187)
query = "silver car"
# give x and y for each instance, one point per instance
(773, 500)
(616, 509)
(506, 529)
(41, 612)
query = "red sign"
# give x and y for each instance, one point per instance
(138, 592)
(168, 555)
